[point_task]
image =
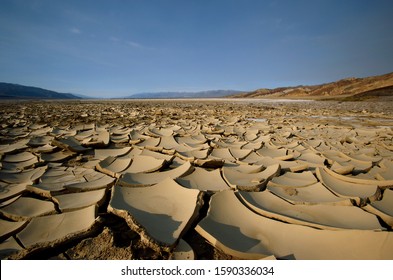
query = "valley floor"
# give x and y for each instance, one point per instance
(199, 179)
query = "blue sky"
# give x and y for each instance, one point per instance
(118, 47)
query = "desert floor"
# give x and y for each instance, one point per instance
(231, 179)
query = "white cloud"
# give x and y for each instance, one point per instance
(114, 39)
(75, 30)
(134, 44)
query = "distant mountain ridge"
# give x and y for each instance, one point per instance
(173, 94)
(350, 87)
(15, 91)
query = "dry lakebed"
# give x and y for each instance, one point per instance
(196, 179)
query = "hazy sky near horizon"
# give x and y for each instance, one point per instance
(117, 47)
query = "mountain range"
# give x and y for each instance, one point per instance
(15, 91)
(349, 88)
(184, 94)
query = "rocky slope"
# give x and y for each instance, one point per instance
(351, 87)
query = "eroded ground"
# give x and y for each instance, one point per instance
(203, 179)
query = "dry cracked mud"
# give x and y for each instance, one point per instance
(196, 179)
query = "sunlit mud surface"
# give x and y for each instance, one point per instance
(196, 179)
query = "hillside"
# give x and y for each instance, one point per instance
(350, 87)
(15, 91)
